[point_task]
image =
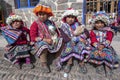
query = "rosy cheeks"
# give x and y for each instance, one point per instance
(99, 25)
(70, 20)
(43, 17)
(16, 24)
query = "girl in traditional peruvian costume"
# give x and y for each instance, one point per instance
(76, 44)
(101, 37)
(44, 35)
(16, 35)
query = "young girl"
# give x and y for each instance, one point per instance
(76, 46)
(44, 35)
(16, 36)
(101, 38)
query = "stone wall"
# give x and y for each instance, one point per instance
(58, 7)
(27, 15)
(8, 7)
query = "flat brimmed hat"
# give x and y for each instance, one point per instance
(43, 8)
(12, 18)
(101, 15)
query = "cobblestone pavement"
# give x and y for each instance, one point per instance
(9, 72)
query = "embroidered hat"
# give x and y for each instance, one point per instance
(101, 15)
(43, 8)
(70, 11)
(12, 17)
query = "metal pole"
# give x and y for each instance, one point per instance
(118, 8)
(18, 2)
(84, 12)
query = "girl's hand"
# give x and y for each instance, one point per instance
(82, 40)
(32, 43)
(38, 39)
(49, 41)
(73, 44)
(101, 47)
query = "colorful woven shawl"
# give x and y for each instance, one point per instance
(69, 29)
(10, 34)
(43, 29)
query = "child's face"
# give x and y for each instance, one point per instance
(70, 19)
(42, 16)
(99, 24)
(16, 24)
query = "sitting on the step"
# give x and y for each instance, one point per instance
(45, 36)
(77, 46)
(101, 37)
(16, 35)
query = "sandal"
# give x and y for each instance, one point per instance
(45, 67)
(83, 69)
(99, 70)
(67, 68)
(109, 73)
(58, 67)
(57, 64)
(17, 66)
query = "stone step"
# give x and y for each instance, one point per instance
(9, 72)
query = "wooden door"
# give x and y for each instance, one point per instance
(92, 6)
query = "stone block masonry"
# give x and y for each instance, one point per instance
(58, 7)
